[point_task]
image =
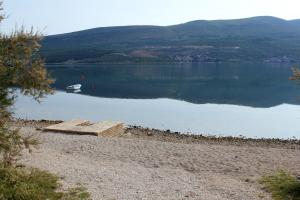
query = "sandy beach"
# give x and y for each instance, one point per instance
(153, 164)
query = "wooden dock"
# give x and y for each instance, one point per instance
(85, 127)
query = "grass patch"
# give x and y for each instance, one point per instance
(34, 184)
(282, 186)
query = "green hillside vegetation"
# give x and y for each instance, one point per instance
(264, 38)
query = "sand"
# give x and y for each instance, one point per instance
(137, 166)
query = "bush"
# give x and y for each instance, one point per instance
(34, 184)
(21, 67)
(282, 186)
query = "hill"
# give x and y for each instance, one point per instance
(259, 38)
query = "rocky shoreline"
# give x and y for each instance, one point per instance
(153, 164)
(139, 132)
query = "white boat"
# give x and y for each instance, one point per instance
(73, 91)
(74, 87)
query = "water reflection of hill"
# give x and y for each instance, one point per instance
(252, 84)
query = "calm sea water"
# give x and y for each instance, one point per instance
(250, 99)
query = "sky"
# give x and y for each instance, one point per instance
(62, 16)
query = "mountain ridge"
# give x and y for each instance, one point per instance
(264, 38)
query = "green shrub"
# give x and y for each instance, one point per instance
(34, 184)
(282, 186)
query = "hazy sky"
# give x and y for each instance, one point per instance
(60, 16)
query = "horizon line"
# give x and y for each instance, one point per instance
(153, 25)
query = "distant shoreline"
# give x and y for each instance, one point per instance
(163, 63)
